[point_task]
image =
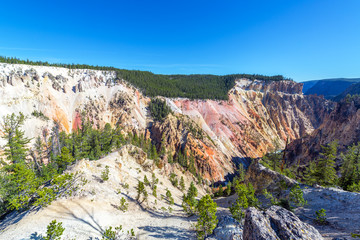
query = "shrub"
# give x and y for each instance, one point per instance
(123, 205)
(189, 202)
(169, 197)
(54, 231)
(105, 174)
(154, 192)
(141, 191)
(182, 184)
(321, 216)
(173, 179)
(146, 181)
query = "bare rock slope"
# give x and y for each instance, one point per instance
(94, 206)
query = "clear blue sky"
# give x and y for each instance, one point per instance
(301, 39)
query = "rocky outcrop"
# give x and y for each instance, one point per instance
(139, 155)
(290, 87)
(227, 229)
(276, 223)
(179, 134)
(341, 124)
(257, 118)
(263, 178)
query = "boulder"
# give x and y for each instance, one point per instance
(227, 229)
(276, 223)
(263, 178)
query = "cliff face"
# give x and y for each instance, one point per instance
(62, 94)
(254, 122)
(341, 124)
(258, 117)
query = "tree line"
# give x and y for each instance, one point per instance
(195, 86)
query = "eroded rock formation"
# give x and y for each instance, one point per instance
(341, 124)
(257, 118)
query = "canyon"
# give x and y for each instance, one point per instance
(257, 118)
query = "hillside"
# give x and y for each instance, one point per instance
(329, 88)
(353, 89)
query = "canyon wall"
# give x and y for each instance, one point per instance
(342, 124)
(258, 117)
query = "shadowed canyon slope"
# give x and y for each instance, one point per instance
(342, 125)
(257, 118)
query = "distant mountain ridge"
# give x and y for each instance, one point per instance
(354, 89)
(329, 88)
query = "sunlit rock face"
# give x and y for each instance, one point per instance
(62, 94)
(258, 117)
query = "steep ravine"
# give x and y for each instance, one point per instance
(257, 118)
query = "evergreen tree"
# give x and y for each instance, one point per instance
(324, 172)
(189, 200)
(246, 198)
(54, 231)
(207, 220)
(15, 148)
(64, 159)
(350, 169)
(182, 184)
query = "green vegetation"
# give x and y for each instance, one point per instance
(246, 198)
(146, 181)
(169, 197)
(158, 109)
(173, 179)
(207, 219)
(40, 115)
(141, 191)
(350, 169)
(323, 171)
(26, 183)
(321, 216)
(117, 233)
(189, 202)
(105, 174)
(294, 198)
(123, 205)
(182, 184)
(54, 231)
(195, 86)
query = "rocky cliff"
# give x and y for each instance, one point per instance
(257, 118)
(341, 124)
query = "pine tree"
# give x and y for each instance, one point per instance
(64, 159)
(106, 139)
(207, 220)
(15, 148)
(54, 231)
(350, 169)
(324, 172)
(246, 198)
(189, 201)
(182, 184)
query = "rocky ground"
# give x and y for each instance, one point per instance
(342, 211)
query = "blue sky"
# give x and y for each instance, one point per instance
(301, 39)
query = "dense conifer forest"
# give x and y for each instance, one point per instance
(194, 86)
